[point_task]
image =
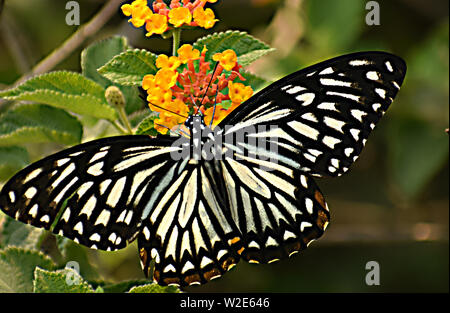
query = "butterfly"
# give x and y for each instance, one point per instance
(196, 217)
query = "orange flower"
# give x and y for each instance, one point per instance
(227, 59)
(186, 53)
(156, 24)
(239, 92)
(204, 18)
(180, 16)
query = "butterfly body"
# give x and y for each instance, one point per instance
(243, 190)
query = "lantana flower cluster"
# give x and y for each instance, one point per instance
(187, 83)
(162, 17)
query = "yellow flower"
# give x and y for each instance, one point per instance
(159, 98)
(175, 114)
(186, 53)
(127, 9)
(149, 82)
(180, 16)
(163, 61)
(179, 107)
(139, 12)
(219, 115)
(226, 59)
(156, 24)
(204, 18)
(166, 78)
(164, 122)
(239, 92)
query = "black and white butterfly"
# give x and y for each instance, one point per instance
(198, 218)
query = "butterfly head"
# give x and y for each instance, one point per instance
(194, 121)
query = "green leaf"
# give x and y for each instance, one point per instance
(15, 233)
(147, 126)
(38, 123)
(12, 159)
(122, 286)
(66, 90)
(97, 55)
(154, 288)
(75, 252)
(247, 48)
(252, 80)
(130, 67)
(17, 266)
(137, 117)
(60, 281)
(418, 150)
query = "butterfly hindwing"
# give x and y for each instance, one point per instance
(318, 119)
(278, 210)
(190, 234)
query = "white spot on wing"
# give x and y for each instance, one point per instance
(33, 211)
(330, 141)
(372, 75)
(62, 161)
(103, 218)
(334, 123)
(304, 224)
(309, 205)
(328, 70)
(295, 89)
(306, 98)
(376, 106)
(389, 66)
(381, 92)
(327, 106)
(355, 133)
(304, 129)
(358, 114)
(359, 62)
(310, 117)
(344, 95)
(32, 175)
(97, 156)
(30, 192)
(334, 82)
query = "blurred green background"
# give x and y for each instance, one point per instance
(392, 207)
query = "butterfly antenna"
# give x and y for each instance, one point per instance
(209, 84)
(214, 109)
(168, 110)
(196, 105)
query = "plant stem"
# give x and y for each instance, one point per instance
(119, 127)
(124, 119)
(176, 34)
(85, 31)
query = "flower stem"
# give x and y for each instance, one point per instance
(176, 40)
(124, 119)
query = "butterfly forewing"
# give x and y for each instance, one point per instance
(94, 193)
(321, 116)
